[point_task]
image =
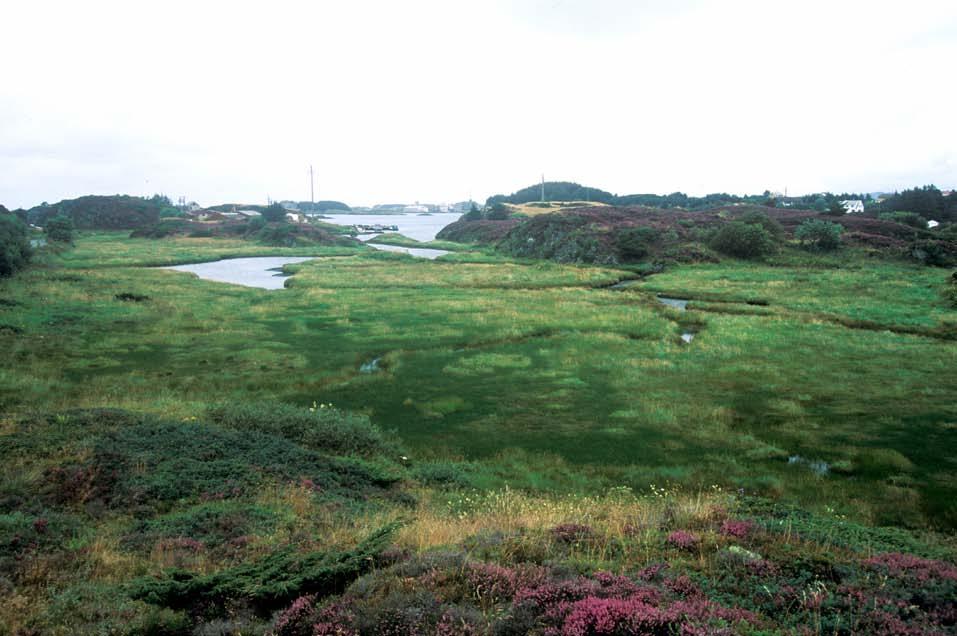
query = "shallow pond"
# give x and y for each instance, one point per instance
(678, 303)
(421, 252)
(264, 272)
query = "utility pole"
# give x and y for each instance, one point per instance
(543, 188)
(312, 191)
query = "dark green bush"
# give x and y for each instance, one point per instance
(275, 213)
(634, 243)
(817, 234)
(743, 240)
(59, 229)
(154, 463)
(212, 523)
(321, 427)
(498, 212)
(761, 218)
(15, 251)
(934, 252)
(268, 583)
(907, 218)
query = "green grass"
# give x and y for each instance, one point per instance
(480, 357)
(117, 249)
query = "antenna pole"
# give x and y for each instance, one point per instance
(312, 191)
(543, 188)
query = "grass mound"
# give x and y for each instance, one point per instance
(320, 427)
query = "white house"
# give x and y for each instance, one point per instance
(932, 224)
(853, 207)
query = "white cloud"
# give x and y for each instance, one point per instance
(437, 100)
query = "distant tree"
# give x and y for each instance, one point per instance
(744, 240)
(275, 213)
(59, 229)
(15, 248)
(497, 212)
(473, 215)
(836, 208)
(817, 234)
(928, 201)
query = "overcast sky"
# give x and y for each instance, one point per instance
(398, 101)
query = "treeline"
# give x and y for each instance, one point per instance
(928, 202)
(116, 212)
(323, 206)
(570, 191)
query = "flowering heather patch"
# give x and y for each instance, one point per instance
(598, 617)
(738, 529)
(493, 583)
(572, 533)
(294, 620)
(652, 571)
(332, 620)
(683, 587)
(616, 616)
(897, 564)
(682, 539)
(617, 586)
(458, 622)
(556, 592)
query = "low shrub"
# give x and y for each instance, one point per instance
(756, 217)
(820, 235)
(213, 524)
(683, 540)
(933, 252)
(154, 463)
(267, 583)
(743, 240)
(635, 243)
(15, 250)
(906, 218)
(321, 427)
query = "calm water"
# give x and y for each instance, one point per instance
(263, 272)
(413, 226)
(678, 303)
(421, 252)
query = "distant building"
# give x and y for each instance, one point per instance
(296, 217)
(200, 214)
(416, 209)
(932, 224)
(855, 206)
(249, 214)
(292, 206)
